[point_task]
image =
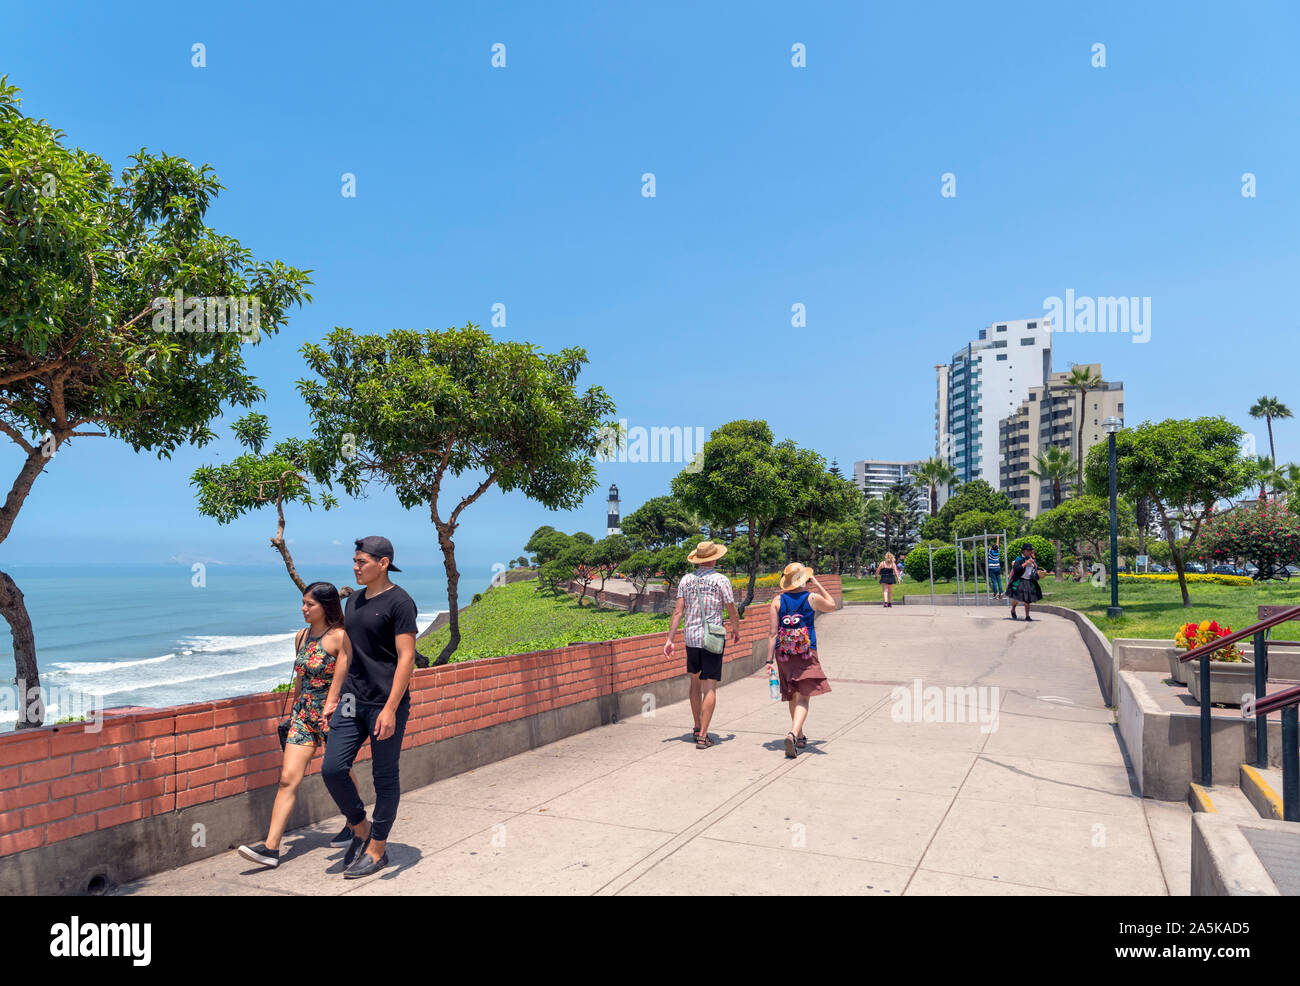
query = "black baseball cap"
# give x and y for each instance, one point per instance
(379, 548)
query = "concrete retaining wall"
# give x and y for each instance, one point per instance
(1165, 747)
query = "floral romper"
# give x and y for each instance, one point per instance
(316, 666)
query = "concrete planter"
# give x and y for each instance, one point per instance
(1229, 681)
(1178, 670)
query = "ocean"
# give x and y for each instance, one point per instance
(147, 635)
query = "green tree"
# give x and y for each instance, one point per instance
(975, 495)
(640, 568)
(548, 545)
(1184, 467)
(975, 522)
(413, 408)
(1269, 408)
(253, 480)
(605, 557)
(582, 537)
(673, 564)
(84, 256)
(657, 523)
(743, 477)
(1085, 520)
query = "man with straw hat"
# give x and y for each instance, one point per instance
(701, 597)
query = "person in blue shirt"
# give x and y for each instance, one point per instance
(995, 570)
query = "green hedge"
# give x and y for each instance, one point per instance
(917, 565)
(1043, 551)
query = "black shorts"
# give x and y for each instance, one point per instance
(700, 661)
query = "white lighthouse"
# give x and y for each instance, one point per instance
(612, 513)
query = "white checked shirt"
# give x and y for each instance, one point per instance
(705, 587)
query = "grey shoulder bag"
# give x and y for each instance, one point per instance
(715, 634)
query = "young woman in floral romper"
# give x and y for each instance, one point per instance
(317, 648)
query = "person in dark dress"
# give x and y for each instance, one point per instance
(1023, 585)
(887, 573)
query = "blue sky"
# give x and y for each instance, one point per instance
(775, 185)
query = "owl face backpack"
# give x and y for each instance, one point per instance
(792, 637)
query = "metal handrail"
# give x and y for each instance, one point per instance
(1290, 613)
(1286, 700)
(1278, 700)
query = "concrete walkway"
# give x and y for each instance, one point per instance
(1041, 804)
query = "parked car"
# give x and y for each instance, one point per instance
(1196, 567)
(1227, 570)
(1159, 570)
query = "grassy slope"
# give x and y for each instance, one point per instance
(1154, 610)
(516, 619)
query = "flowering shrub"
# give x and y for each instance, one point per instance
(1191, 577)
(1267, 534)
(1193, 635)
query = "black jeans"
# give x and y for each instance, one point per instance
(342, 745)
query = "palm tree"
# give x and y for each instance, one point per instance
(1083, 380)
(1269, 408)
(1272, 477)
(1054, 464)
(893, 511)
(934, 473)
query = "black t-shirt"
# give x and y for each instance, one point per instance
(373, 625)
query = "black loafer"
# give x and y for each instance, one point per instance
(358, 846)
(344, 838)
(365, 866)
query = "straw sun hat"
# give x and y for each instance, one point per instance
(795, 575)
(706, 551)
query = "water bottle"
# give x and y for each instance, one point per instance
(774, 684)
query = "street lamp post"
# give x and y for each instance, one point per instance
(1112, 426)
(785, 536)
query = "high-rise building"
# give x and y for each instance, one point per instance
(1049, 416)
(874, 476)
(983, 384)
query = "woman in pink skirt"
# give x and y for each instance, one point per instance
(792, 646)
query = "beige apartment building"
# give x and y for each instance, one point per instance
(1050, 417)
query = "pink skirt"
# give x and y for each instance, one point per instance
(802, 676)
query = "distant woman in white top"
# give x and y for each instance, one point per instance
(887, 573)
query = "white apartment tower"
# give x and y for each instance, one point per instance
(985, 382)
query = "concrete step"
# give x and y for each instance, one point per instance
(1228, 802)
(1263, 788)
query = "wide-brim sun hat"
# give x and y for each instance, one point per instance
(706, 551)
(795, 575)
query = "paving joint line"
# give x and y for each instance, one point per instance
(642, 866)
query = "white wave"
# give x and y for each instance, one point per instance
(286, 663)
(99, 667)
(422, 620)
(207, 644)
(11, 715)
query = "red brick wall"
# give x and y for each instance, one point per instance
(63, 781)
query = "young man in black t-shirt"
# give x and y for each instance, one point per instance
(374, 704)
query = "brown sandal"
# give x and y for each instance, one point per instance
(790, 751)
(702, 742)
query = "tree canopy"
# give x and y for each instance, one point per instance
(1184, 468)
(412, 408)
(84, 349)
